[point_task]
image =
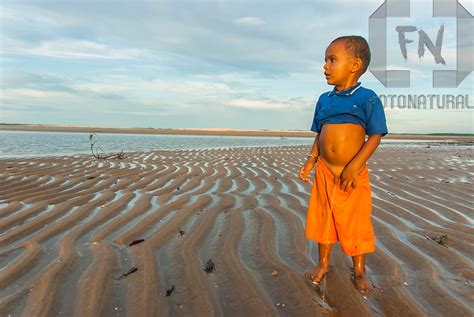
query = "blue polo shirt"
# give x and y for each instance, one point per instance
(357, 105)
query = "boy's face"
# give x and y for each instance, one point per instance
(339, 67)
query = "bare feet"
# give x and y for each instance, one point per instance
(317, 275)
(362, 283)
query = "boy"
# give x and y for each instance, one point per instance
(340, 202)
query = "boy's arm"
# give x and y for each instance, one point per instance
(307, 167)
(350, 172)
(315, 148)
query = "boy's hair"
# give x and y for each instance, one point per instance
(357, 47)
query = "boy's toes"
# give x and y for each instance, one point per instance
(363, 284)
(312, 278)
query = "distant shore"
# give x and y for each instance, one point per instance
(214, 131)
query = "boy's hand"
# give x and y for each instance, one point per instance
(348, 177)
(306, 169)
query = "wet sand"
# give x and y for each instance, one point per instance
(66, 223)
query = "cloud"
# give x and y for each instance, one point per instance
(130, 85)
(18, 78)
(191, 87)
(201, 63)
(72, 49)
(31, 93)
(27, 108)
(249, 21)
(10, 15)
(256, 104)
(183, 33)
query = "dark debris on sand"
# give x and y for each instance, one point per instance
(136, 242)
(169, 291)
(441, 240)
(132, 270)
(210, 267)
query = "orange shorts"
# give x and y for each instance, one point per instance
(335, 215)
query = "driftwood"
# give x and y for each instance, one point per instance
(99, 153)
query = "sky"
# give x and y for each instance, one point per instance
(205, 64)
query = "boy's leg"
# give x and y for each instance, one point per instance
(361, 281)
(323, 265)
(354, 227)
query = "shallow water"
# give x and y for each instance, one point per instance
(15, 144)
(27, 143)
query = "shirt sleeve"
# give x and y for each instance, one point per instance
(315, 125)
(376, 123)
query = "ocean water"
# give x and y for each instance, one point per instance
(21, 144)
(27, 144)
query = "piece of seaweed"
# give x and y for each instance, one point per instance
(136, 242)
(441, 240)
(169, 291)
(132, 270)
(210, 267)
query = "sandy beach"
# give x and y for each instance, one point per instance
(66, 224)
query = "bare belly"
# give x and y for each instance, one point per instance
(339, 143)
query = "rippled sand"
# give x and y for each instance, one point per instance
(66, 222)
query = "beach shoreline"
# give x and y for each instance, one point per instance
(214, 132)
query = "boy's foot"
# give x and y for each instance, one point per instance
(317, 275)
(362, 283)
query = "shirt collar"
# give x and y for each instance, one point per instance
(347, 92)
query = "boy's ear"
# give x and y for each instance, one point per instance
(356, 65)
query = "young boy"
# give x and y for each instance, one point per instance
(340, 202)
